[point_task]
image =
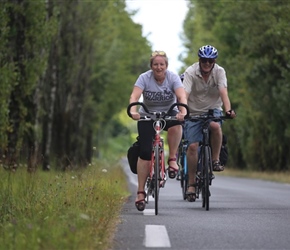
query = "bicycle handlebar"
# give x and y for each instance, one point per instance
(206, 117)
(157, 114)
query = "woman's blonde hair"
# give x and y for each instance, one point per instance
(158, 53)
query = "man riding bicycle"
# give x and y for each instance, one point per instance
(205, 85)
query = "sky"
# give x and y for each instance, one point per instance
(162, 22)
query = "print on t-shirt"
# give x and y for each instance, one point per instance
(158, 96)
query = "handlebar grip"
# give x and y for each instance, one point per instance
(180, 104)
(226, 117)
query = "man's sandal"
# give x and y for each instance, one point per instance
(141, 204)
(171, 170)
(190, 196)
(216, 166)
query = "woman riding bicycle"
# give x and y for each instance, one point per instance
(160, 88)
(205, 85)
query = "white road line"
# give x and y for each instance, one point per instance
(156, 236)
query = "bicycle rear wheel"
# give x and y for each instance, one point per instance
(205, 175)
(156, 177)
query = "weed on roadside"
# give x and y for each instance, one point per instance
(60, 210)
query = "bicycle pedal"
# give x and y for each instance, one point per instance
(162, 183)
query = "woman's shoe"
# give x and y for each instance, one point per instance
(172, 172)
(141, 204)
(191, 196)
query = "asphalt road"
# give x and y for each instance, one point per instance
(243, 214)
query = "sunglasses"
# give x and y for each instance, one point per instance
(158, 53)
(210, 60)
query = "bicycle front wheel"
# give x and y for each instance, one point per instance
(156, 177)
(205, 174)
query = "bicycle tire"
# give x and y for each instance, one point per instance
(183, 184)
(184, 176)
(202, 176)
(206, 167)
(156, 177)
(180, 166)
(181, 177)
(162, 165)
(198, 176)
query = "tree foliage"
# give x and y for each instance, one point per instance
(253, 42)
(66, 68)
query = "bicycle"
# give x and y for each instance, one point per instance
(157, 175)
(204, 175)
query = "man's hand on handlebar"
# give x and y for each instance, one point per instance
(231, 113)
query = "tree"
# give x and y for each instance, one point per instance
(252, 38)
(66, 68)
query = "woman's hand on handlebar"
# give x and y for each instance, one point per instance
(180, 116)
(183, 112)
(135, 116)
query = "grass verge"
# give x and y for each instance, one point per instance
(61, 210)
(281, 177)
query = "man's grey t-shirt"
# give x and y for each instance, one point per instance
(158, 97)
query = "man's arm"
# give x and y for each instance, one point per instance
(226, 102)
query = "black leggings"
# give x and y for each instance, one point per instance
(146, 135)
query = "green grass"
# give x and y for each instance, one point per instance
(61, 210)
(281, 177)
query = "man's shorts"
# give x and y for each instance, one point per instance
(193, 130)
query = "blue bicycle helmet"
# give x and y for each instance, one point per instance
(208, 51)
